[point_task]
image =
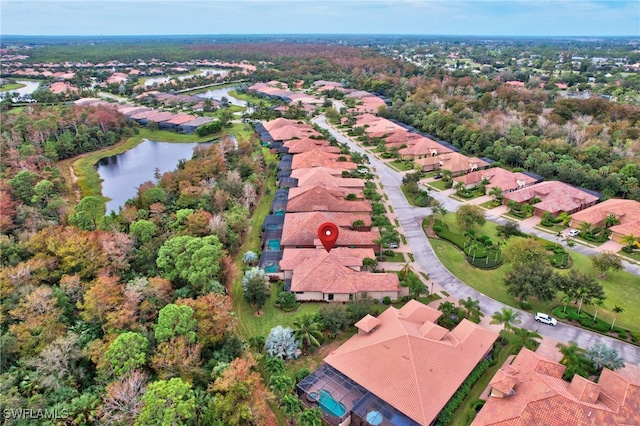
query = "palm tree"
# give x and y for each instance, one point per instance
(507, 317)
(618, 310)
(629, 240)
(369, 263)
(611, 220)
(473, 309)
(446, 175)
(496, 193)
(599, 303)
(307, 330)
(291, 406)
(585, 227)
(459, 186)
(565, 301)
(440, 211)
(573, 358)
(580, 295)
(512, 205)
(528, 338)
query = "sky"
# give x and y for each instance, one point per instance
(419, 17)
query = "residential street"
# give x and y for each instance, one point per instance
(410, 219)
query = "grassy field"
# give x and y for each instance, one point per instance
(440, 185)
(620, 287)
(402, 165)
(11, 86)
(248, 98)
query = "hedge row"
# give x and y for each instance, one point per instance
(447, 412)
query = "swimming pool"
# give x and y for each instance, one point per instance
(328, 404)
(273, 245)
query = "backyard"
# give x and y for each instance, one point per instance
(620, 287)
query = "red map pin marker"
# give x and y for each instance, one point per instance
(328, 234)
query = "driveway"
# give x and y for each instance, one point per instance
(410, 219)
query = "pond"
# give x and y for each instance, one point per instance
(217, 94)
(122, 174)
(29, 87)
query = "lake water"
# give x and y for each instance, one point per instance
(122, 174)
(217, 94)
(29, 88)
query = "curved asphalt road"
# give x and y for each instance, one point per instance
(410, 219)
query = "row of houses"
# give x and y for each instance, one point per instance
(553, 197)
(185, 123)
(313, 191)
(402, 368)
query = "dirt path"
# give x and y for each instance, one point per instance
(74, 185)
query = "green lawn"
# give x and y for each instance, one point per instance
(635, 256)
(403, 165)
(440, 185)
(489, 205)
(11, 86)
(397, 257)
(620, 287)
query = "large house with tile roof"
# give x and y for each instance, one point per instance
(400, 369)
(457, 163)
(300, 230)
(555, 197)
(319, 158)
(626, 211)
(321, 198)
(328, 177)
(318, 275)
(334, 190)
(497, 177)
(422, 147)
(531, 391)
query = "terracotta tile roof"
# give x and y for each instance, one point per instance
(299, 146)
(424, 146)
(181, 118)
(61, 87)
(159, 116)
(302, 172)
(301, 229)
(497, 177)
(402, 136)
(367, 323)
(336, 191)
(318, 158)
(198, 121)
(311, 176)
(453, 161)
(352, 258)
(414, 373)
(280, 122)
(627, 212)
(556, 196)
(540, 398)
(382, 126)
(325, 274)
(367, 119)
(293, 131)
(321, 198)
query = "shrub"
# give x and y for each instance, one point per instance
(573, 316)
(622, 334)
(635, 336)
(524, 305)
(437, 229)
(388, 253)
(287, 301)
(386, 300)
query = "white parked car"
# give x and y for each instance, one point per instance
(546, 319)
(573, 233)
(393, 245)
